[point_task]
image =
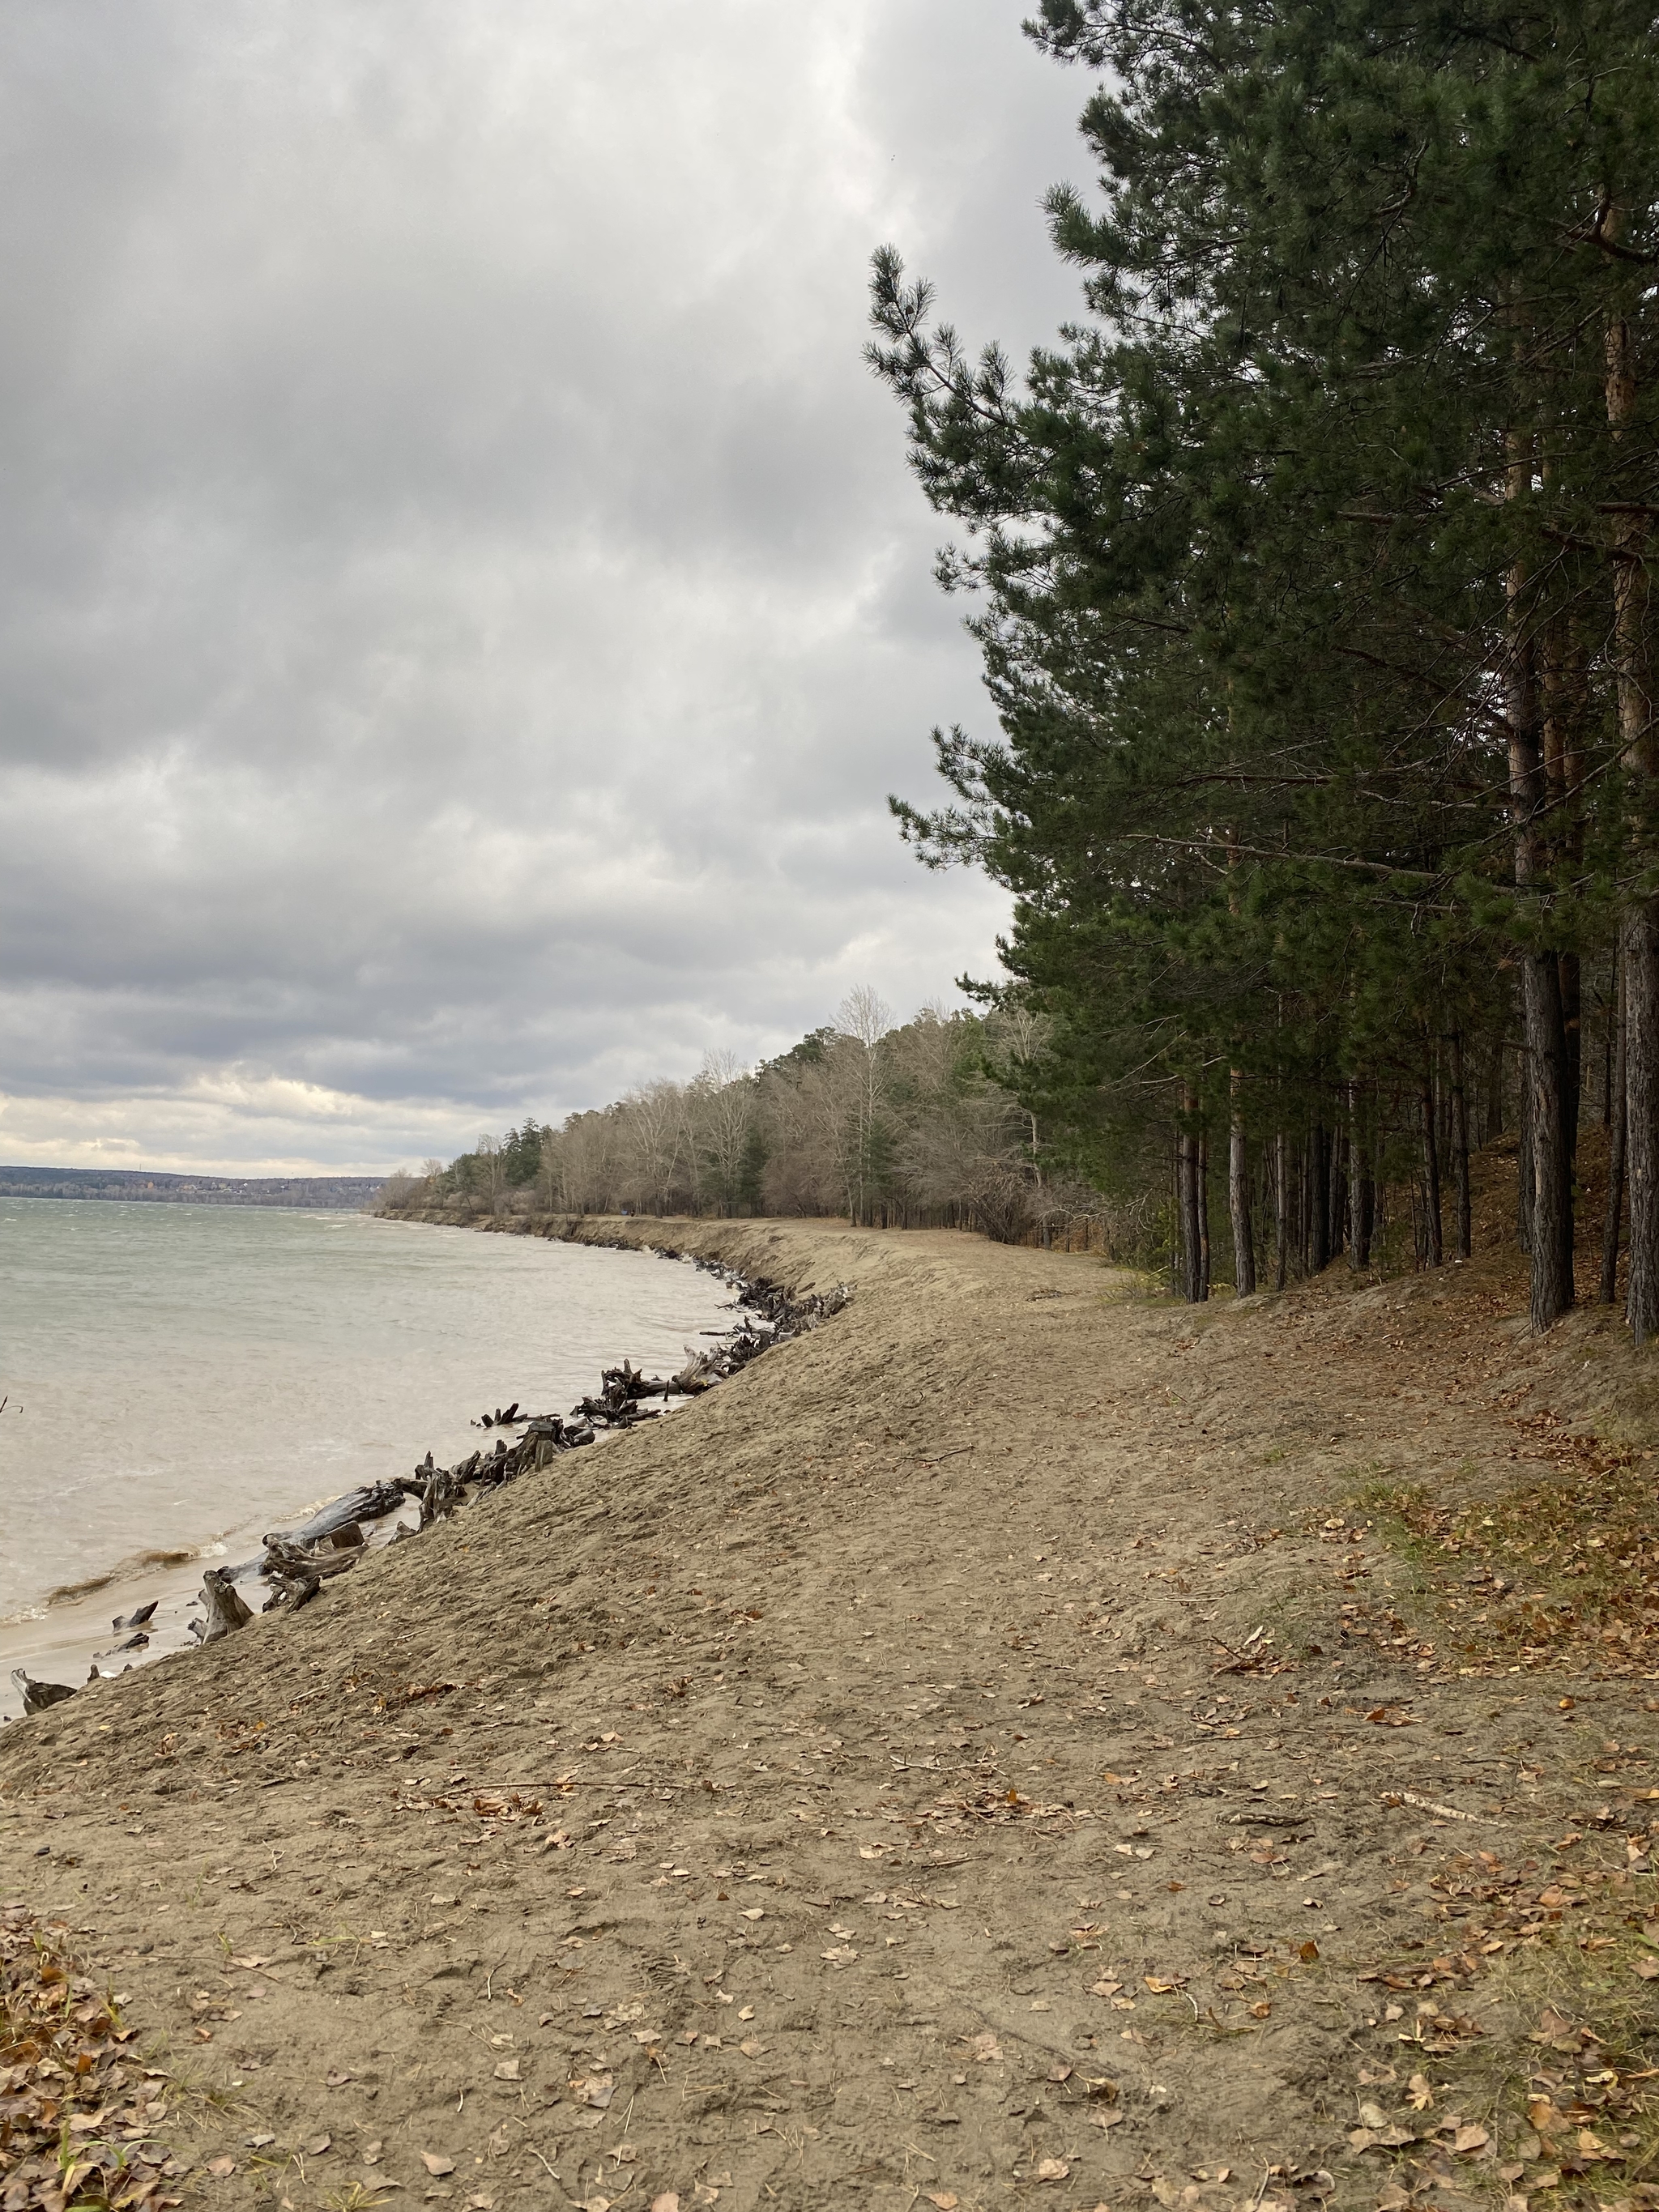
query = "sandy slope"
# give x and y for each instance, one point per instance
(896, 1829)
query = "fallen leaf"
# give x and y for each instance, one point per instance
(750, 2049)
(668, 2201)
(258, 2142)
(318, 2145)
(1260, 2011)
(1308, 1952)
(748, 2013)
(1648, 1969)
(1470, 2136)
(508, 2071)
(754, 1913)
(595, 2089)
(1052, 2169)
(252, 1960)
(987, 2049)
(437, 2166)
(479, 2204)
(221, 2166)
(942, 2197)
(1421, 2096)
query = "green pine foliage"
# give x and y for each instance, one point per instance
(1309, 571)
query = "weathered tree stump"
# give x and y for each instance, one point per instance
(226, 1609)
(38, 1696)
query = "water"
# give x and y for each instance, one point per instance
(180, 1379)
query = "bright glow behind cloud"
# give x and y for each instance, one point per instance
(461, 602)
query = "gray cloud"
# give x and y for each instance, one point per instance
(461, 602)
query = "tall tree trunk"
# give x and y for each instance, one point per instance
(1192, 1235)
(1319, 1234)
(1460, 1131)
(1434, 1250)
(1203, 1213)
(1523, 1180)
(1607, 1290)
(1339, 1207)
(1640, 926)
(1281, 1212)
(1545, 1068)
(1639, 940)
(1238, 1197)
(1359, 1187)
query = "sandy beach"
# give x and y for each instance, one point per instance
(991, 1747)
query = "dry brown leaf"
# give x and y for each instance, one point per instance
(942, 2197)
(1052, 2169)
(435, 2165)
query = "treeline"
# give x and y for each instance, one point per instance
(1312, 574)
(903, 1126)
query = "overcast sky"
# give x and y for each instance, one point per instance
(462, 602)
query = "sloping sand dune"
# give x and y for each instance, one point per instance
(933, 1762)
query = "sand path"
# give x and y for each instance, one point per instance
(936, 1765)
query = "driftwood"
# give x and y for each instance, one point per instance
(37, 1695)
(228, 1610)
(372, 1502)
(297, 1561)
(300, 1571)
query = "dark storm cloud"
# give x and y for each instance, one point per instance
(463, 604)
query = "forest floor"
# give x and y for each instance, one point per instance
(1023, 1741)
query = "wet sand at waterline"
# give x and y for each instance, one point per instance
(988, 1749)
(180, 1379)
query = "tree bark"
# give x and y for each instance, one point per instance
(1238, 1200)
(1434, 1250)
(1319, 1234)
(1459, 1125)
(1607, 1290)
(1639, 925)
(1281, 1212)
(1203, 1213)
(1359, 1187)
(1523, 1181)
(1640, 944)
(1192, 1235)
(1546, 1058)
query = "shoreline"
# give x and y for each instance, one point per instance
(866, 1777)
(55, 1642)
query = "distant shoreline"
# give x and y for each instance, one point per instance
(141, 1186)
